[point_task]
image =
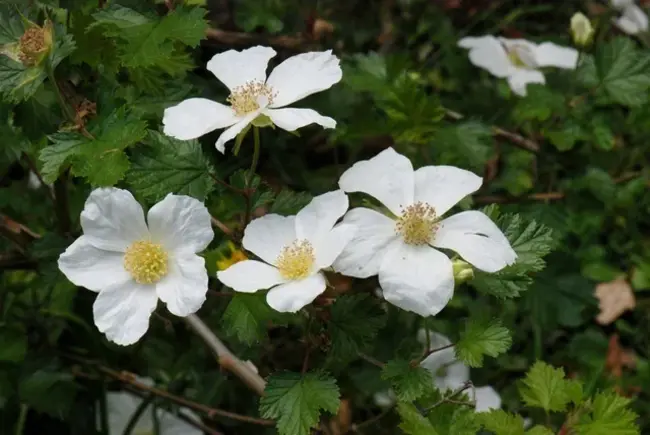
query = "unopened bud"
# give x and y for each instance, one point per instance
(463, 271)
(581, 29)
(35, 44)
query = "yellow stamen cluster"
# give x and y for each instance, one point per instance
(244, 98)
(146, 262)
(296, 260)
(417, 224)
(32, 45)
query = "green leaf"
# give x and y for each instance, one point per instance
(50, 392)
(295, 401)
(17, 82)
(610, 415)
(353, 326)
(248, 316)
(501, 422)
(482, 337)
(412, 420)
(565, 138)
(539, 104)
(14, 344)
(409, 381)
(170, 166)
(545, 387)
(55, 156)
(465, 143)
(289, 202)
(602, 134)
(539, 430)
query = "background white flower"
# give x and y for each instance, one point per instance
(253, 95)
(517, 60)
(633, 19)
(132, 265)
(122, 405)
(293, 250)
(400, 249)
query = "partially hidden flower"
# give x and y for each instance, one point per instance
(132, 263)
(517, 60)
(401, 249)
(581, 29)
(231, 256)
(254, 98)
(633, 19)
(294, 250)
(121, 407)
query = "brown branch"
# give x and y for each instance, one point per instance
(371, 360)
(226, 358)
(17, 233)
(227, 231)
(240, 38)
(432, 351)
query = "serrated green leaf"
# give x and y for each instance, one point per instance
(50, 392)
(501, 422)
(295, 401)
(17, 82)
(412, 420)
(565, 138)
(539, 104)
(170, 166)
(539, 430)
(247, 317)
(610, 415)
(409, 381)
(602, 134)
(468, 142)
(482, 337)
(55, 156)
(545, 387)
(289, 202)
(104, 170)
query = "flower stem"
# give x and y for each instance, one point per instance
(64, 106)
(22, 418)
(256, 156)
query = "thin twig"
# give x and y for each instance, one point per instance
(20, 235)
(371, 360)
(226, 358)
(227, 231)
(453, 394)
(431, 351)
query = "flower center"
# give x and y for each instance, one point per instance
(295, 260)
(417, 224)
(248, 97)
(146, 262)
(32, 44)
(521, 56)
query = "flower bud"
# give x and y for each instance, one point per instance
(581, 29)
(463, 271)
(35, 44)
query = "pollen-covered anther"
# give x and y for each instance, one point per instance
(417, 224)
(296, 260)
(246, 98)
(147, 262)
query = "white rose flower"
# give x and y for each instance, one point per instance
(254, 98)
(633, 19)
(400, 249)
(293, 250)
(517, 60)
(132, 265)
(122, 405)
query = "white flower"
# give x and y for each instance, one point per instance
(132, 265)
(293, 250)
(412, 274)
(451, 374)
(633, 19)
(517, 60)
(121, 406)
(254, 98)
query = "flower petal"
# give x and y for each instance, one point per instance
(318, 217)
(181, 222)
(185, 286)
(195, 117)
(455, 372)
(549, 54)
(267, 235)
(388, 177)
(443, 186)
(93, 268)
(363, 255)
(122, 311)
(112, 219)
(633, 20)
(477, 239)
(232, 132)
(121, 406)
(521, 77)
(292, 296)
(487, 52)
(173, 425)
(292, 119)
(235, 68)
(416, 278)
(249, 276)
(331, 246)
(303, 75)
(486, 398)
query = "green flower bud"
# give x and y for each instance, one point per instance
(581, 29)
(463, 271)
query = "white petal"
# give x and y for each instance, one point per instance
(633, 20)
(388, 177)
(195, 117)
(185, 286)
(293, 295)
(477, 239)
(303, 75)
(439, 358)
(486, 399)
(549, 54)
(621, 4)
(487, 52)
(331, 246)
(235, 68)
(455, 376)
(363, 255)
(232, 132)
(249, 276)
(292, 119)
(122, 311)
(319, 216)
(170, 424)
(112, 219)
(626, 25)
(267, 235)
(416, 278)
(443, 186)
(121, 406)
(522, 77)
(180, 222)
(93, 268)
(384, 399)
